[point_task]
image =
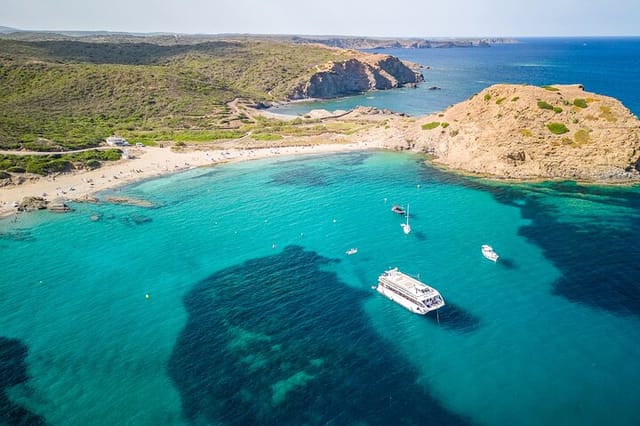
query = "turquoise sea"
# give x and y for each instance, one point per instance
(233, 301)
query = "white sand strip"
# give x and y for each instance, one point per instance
(148, 162)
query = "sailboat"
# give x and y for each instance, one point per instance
(405, 226)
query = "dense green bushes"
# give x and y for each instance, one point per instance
(57, 163)
(39, 167)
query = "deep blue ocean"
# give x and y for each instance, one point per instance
(233, 301)
(607, 66)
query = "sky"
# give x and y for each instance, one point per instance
(373, 18)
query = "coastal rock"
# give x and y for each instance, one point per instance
(32, 203)
(58, 206)
(357, 75)
(29, 204)
(523, 132)
(86, 198)
(130, 201)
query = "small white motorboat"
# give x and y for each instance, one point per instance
(351, 251)
(397, 209)
(487, 251)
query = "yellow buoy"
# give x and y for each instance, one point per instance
(146, 296)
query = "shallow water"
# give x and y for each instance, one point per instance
(233, 301)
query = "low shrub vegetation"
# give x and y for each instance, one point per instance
(557, 128)
(580, 103)
(266, 137)
(70, 94)
(545, 105)
(581, 137)
(57, 163)
(605, 112)
(431, 125)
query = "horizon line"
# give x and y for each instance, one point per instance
(175, 33)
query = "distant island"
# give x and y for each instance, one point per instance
(342, 42)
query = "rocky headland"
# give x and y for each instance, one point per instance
(359, 74)
(530, 132)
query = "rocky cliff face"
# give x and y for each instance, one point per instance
(518, 131)
(357, 75)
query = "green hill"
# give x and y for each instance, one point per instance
(69, 93)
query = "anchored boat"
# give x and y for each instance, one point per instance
(407, 291)
(406, 228)
(487, 251)
(397, 209)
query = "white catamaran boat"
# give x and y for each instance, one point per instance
(487, 251)
(407, 291)
(405, 226)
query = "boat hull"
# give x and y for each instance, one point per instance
(401, 301)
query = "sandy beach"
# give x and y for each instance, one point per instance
(146, 163)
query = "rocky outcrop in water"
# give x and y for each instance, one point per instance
(357, 75)
(29, 204)
(129, 201)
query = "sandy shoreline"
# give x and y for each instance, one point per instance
(149, 162)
